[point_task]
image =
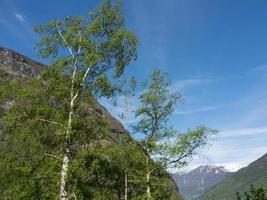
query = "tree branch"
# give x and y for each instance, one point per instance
(182, 156)
(53, 156)
(50, 121)
(43, 120)
(64, 40)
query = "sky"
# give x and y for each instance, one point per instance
(214, 51)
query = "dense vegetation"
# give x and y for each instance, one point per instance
(253, 194)
(55, 141)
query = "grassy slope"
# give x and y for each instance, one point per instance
(255, 173)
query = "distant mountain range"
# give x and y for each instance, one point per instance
(194, 183)
(240, 181)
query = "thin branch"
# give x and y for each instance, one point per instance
(182, 156)
(21, 116)
(40, 119)
(43, 120)
(50, 121)
(80, 41)
(83, 80)
(64, 40)
(53, 156)
(87, 71)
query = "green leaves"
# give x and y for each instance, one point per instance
(166, 147)
(253, 194)
(157, 105)
(99, 42)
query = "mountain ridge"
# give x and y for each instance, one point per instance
(255, 173)
(195, 182)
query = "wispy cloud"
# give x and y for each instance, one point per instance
(182, 84)
(260, 68)
(244, 132)
(13, 21)
(228, 155)
(20, 17)
(204, 109)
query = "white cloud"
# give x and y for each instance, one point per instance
(244, 132)
(260, 68)
(20, 17)
(182, 84)
(231, 167)
(204, 109)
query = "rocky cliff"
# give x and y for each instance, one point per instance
(12, 63)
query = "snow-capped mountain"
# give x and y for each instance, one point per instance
(194, 183)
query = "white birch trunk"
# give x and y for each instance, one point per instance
(64, 193)
(148, 192)
(64, 172)
(126, 185)
(64, 190)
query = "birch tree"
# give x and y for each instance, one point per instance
(89, 48)
(160, 141)
(127, 88)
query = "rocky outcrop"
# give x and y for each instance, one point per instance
(12, 64)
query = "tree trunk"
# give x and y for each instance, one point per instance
(126, 185)
(64, 172)
(64, 190)
(148, 192)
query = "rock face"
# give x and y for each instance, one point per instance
(13, 65)
(194, 183)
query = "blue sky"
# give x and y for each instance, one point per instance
(215, 52)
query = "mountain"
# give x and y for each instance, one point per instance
(194, 183)
(14, 65)
(255, 173)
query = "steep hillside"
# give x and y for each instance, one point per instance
(194, 183)
(255, 173)
(14, 65)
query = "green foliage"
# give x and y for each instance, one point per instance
(99, 42)
(33, 135)
(157, 104)
(33, 142)
(88, 54)
(159, 140)
(253, 194)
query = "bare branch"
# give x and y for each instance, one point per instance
(64, 40)
(83, 81)
(50, 121)
(53, 156)
(184, 155)
(41, 119)
(80, 41)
